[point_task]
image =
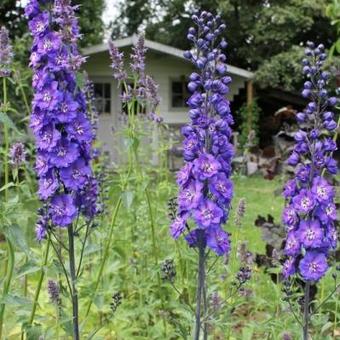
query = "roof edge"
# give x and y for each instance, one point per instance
(156, 46)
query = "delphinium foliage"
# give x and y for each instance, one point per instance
(140, 99)
(205, 190)
(6, 59)
(63, 134)
(310, 212)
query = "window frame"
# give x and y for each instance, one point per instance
(106, 97)
(182, 79)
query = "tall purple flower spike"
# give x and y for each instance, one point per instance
(205, 188)
(309, 215)
(59, 118)
(6, 53)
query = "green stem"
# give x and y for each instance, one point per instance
(200, 286)
(40, 281)
(6, 139)
(106, 255)
(7, 281)
(24, 97)
(10, 263)
(154, 249)
(74, 291)
(306, 315)
(152, 225)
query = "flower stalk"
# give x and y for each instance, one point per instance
(39, 284)
(306, 311)
(205, 188)
(73, 279)
(200, 296)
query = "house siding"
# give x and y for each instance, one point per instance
(163, 68)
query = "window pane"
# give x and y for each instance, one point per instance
(177, 87)
(98, 90)
(99, 105)
(102, 92)
(107, 106)
(107, 91)
(177, 100)
(179, 94)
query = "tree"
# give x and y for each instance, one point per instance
(90, 19)
(259, 31)
(131, 18)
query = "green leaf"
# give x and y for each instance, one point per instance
(27, 268)
(7, 186)
(127, 198)
(15, 300)
(6, 120)
(16, 235)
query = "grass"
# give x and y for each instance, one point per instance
(153, 310)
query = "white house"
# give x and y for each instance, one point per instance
(169, 69)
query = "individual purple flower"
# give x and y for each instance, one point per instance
(304, 202)
(310, 234)
(48, 137)
(68, 108)
(76, 175)
(48, 185)
(63, 210)
(208, 214)
(289, 188)
(313, 266)
(177, 227)
(80, 129)
(39, 24)
(221, 187)
(290, 217)
(49, 43)
(326, 213)
(322, 191)
(86, 199)
(205, 166)
(289, 267)
(190, 196)
(218, 241)
(293, 244)
(41, 227)
(41, 164)
(64, 153)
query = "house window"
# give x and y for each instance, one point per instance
(179, 92)
(102, 92)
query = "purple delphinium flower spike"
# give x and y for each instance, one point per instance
(309, 215)
(59, 118)
(205, 190)
(6, 53)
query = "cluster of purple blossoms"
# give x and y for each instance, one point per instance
(6, 53)
(310, 212)
(146, 89)
(59, 119)
(17, 154)
(205, 188)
